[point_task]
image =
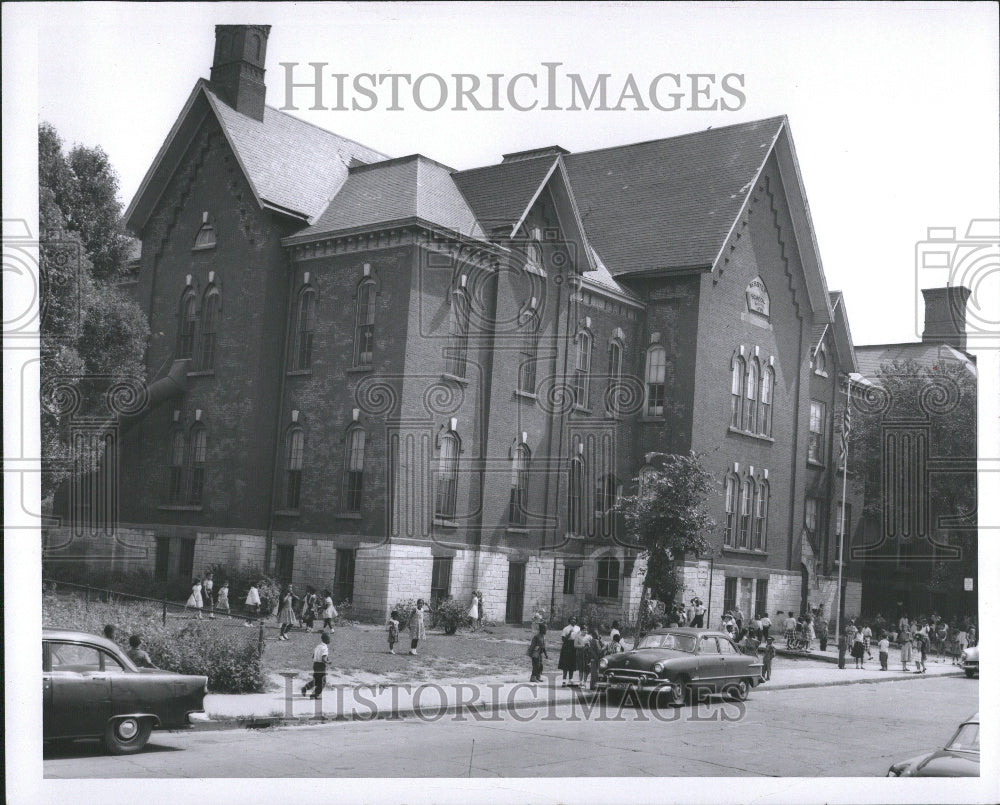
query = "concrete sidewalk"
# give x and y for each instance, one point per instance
(365, 701)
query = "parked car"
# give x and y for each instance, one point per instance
(684, 663)
(970, 661)
(959, 758)
(93, 690)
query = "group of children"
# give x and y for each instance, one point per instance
(203, 597)
(580, 653)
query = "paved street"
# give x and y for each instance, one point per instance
(855, 730)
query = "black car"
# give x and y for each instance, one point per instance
(959, 757)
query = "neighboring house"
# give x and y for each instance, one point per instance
(400, 380)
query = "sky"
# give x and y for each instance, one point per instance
(893, 108)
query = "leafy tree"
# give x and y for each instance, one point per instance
(666, 517)
(91, 332)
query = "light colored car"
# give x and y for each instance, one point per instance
(92, 689)
(686, 664)
(958, 758)
(970, 661)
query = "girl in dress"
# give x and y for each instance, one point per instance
(905, 645)
(252, 603)
(222, 604)
(286, 617)
(474, 610)
(416, 626)
(329, 610)
(194, 600)
(858, 650)
(567, 654)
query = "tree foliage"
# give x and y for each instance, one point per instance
(91, 332)
(667, 518)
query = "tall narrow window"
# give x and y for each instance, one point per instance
(364, 332)
(581, 380)
(440, 579)
(607, 494)
(746, 513)
(293, 467)
(729, 594)
(305, 325)
(739, 369)
(608, 573)
(210, 304)
(574, 498)
(528, 369)
(812, 515)
(517, 513)
(176, 490)
(760, 517)
(750, 409)
(447, 478)
(344, 584)
(186, 326)
(766, 393)
(732, 493)
(760, 600)
(656, 377)
(354, 472)
(615, 389)
(199, 449)
(458, 349)
(819, 361)
(817, 430)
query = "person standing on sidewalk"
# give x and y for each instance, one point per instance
(392, 628)
(416, 627)
(698, 619)
(866, 635)
(474, 610)
(791, 624)
(286, 618)
(329, 610)
(765, 627)
(581, 641)
(769, 652)
(883, 652)
(905, 645)
(858, 651)
(595, 650)
(842, 650)
(223, 603)
(536, 651)
(482, 609)
(567, 653)
(321, 659)
(252, 603)
(822, 632)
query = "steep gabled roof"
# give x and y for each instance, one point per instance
(499, 194)
(412, 187)
(925, 355)
(292, 166)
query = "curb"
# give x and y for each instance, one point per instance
(489, 708)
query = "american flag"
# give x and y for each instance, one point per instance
(845, 431)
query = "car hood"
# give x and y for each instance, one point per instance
(946, 763)
(646, 658)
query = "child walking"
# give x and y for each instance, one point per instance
(858, 650)
(329, 610)
(252, 604)
(883, 652)
(393, 629)
(866, 634)
(222, 603)
(769, 653)
(321, 659)
(536, 651)
(194, 600)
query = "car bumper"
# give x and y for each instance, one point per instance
(664, 686)
(970, 666)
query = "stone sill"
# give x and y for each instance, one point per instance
(816, 465)
(360, 370)
(464, 381)
(287, 513)
(759, 436)
(348, 516)
(299, 372)
(518, 530)
(202, 373)
(745, 552)
(177, 507)
(206, 248)
(526, 395)
(445, 523)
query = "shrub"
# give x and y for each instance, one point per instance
(240, 578)
(450, 615)
(405, 608)
(226, 655)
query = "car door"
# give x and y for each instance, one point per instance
(80, 690)
(732, 665)
(709, 663)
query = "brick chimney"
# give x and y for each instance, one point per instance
(238, 67)
(944, 315)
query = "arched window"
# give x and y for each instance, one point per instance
(305, 325)
(766, 394)
(739, 368)
(364, 330)
(608, 574)
(750, 408)
(528, 369)
(574, 498)
(175, 491)
(760, 517)
(447, 478)
(656, 377)
(581, 381)
(205, 239)
(517, 513)
(458, 350)
(820, 361)
(186, 325)
(354, 469)
(294, 454)
(614, 375)
(210, 305)
(199, 449)
(732, 493)
(746, 512)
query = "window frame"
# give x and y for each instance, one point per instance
(353, 473)
(211, 307)
(198, 444)
(457, 358)
(736, 392)
(660, 386)
(305, 329)
(762, 500)
(751, 396)
(364, 323)
(517, 510)
(294, 462)
(176, 457)
(574, 497)
(732, 497)
(816, 451)
(527, 372)
(581, 372)
(446, 482)
(441, 570)
(616, 360)
(746, 513)
(608, 577)
(187, 324)
(569, 580)
(766, 405)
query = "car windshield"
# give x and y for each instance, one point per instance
(966, 739)
(677, 642)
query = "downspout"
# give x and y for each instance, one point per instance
(559, 453)
(276, 453)
(795, 446)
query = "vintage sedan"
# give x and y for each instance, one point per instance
(959, 758)
(683, 663)
(970, 661)
(93, 690)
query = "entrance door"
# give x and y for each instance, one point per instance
(283, 562)
(515, 592)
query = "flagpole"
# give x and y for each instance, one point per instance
(843, 507)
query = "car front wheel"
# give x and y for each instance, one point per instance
(126, 736)
(970, 673)
(739, 690)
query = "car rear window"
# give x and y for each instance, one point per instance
(966, 739)
(75, 658)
